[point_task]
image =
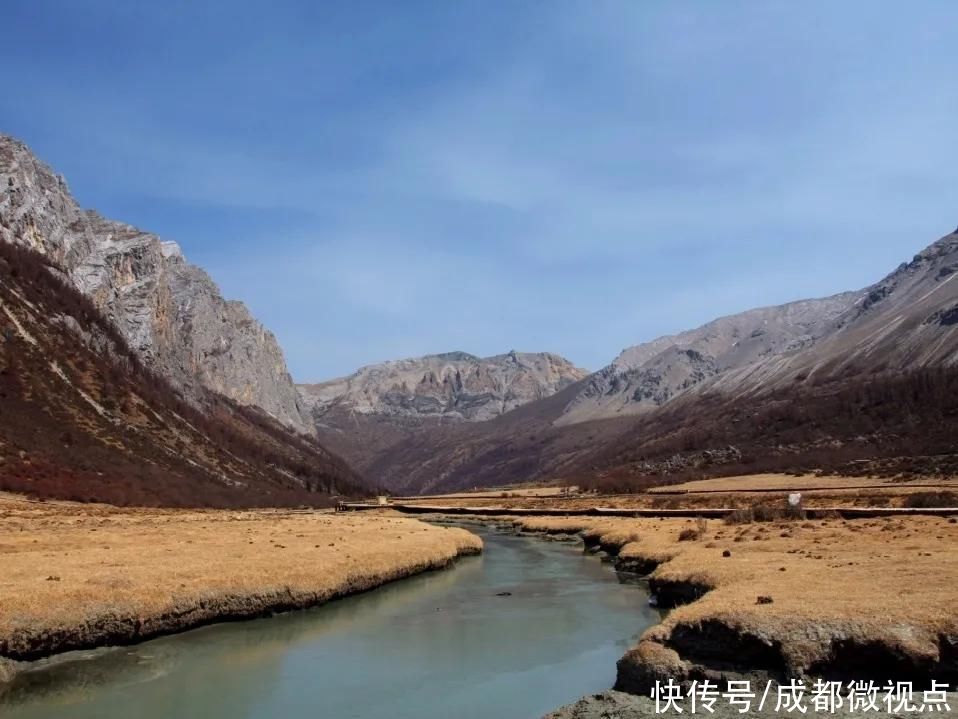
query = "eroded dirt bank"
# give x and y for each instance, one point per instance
(77, 577)
(620, 705)
(837, 599)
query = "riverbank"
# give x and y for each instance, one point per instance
(529, 626)
(619, 705)
(837, 599)
(81, 576)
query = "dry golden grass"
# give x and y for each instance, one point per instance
(558, 525)
(786, 482)
(79, 575)
(889, 580)
(725, 492)
(497, 493)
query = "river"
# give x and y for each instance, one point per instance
(442, 644)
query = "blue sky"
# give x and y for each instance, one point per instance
(387, 179)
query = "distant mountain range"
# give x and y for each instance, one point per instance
(455, 386)
(808, 384)
(800, 355)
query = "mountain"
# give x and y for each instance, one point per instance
(83, 418)
(169, 312)
(413, 455)
(907, 320)
(647, 376)
(384, 412)
(875, 390)
(863, 376)
(454, 386)
(862, 381)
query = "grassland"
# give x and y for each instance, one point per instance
(725, 492)
(870, 599)
(806, 482)
(77, 576)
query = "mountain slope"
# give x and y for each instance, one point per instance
(169, 311)
(82, 418)
(875, 392)
(650, 375)
(907, 320)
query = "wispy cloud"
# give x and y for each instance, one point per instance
(573, 177)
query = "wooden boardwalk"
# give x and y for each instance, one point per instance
(710, 512)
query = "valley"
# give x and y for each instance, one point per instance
(802, 387)
(431, 360)
(163, 472)
(760, 595)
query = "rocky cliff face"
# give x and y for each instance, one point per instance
(452, 386)
(906, 321)
(82, 418)
(169, 311)
(649, 375)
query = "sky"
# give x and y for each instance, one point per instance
(379, 180)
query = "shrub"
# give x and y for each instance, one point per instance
(760, 512)
(794, 512)
(767, 513)
(931, 499)
(691, 534)
(740, 516)
(665, 502)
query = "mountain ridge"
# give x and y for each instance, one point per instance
(170, 312)
(772, 379)
(454, 386)
(452, 419)
(646, 376)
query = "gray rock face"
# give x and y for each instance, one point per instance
(454, 385)
(649, 375)
(169, 311)
(905, 321)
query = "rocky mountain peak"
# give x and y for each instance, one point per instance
(936, 264)
(169, 311)
(453, 385)
(455, 356)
